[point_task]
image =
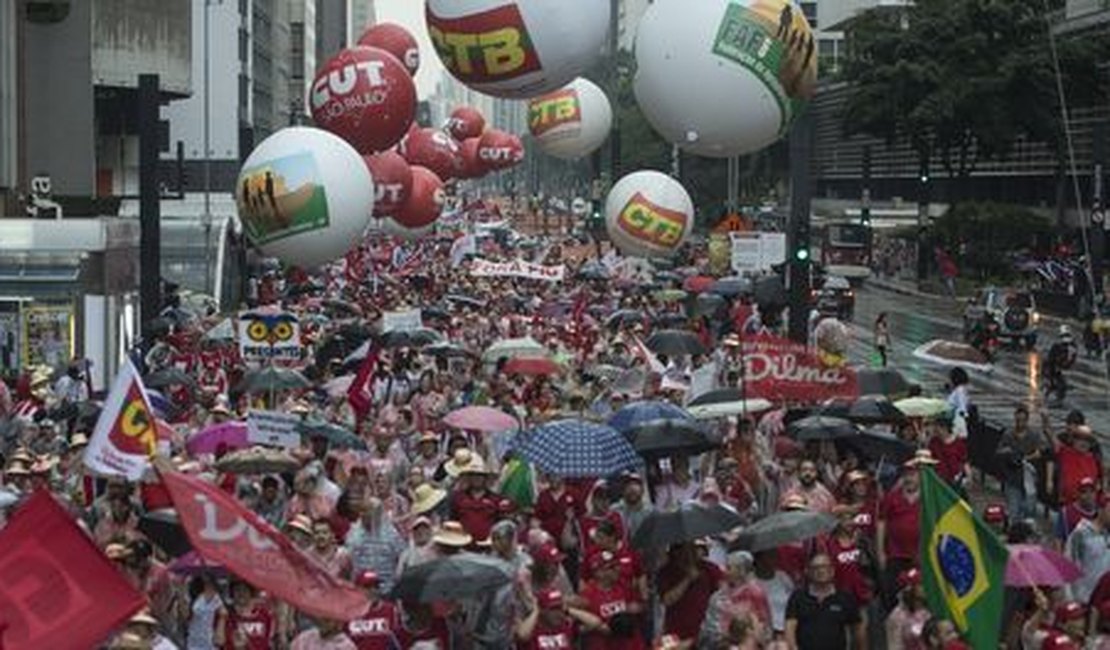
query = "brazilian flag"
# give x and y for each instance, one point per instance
(963, 563)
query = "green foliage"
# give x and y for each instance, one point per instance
(990, 233)
(964, 79)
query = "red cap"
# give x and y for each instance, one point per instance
(1069, 611)
(547, 554)
(549, 599)
(602, 559)
(909, 577)
(1088, 482)
(1058, 641)
(368, 579)
(994, 513)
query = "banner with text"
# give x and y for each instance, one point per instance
(402, 321)
(757, 251)
(517, 269)
(784, 371)
(265, 334)
(273, 428)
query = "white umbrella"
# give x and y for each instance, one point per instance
(512, 348)
(728, 409)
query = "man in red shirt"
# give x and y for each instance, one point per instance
(631, 571)
(551, 624)
(950, 452)
(616, 605)
(686, 583)
(376, 628)
(899, 529)
(1075, 461)
(472, 503)
(844, 550)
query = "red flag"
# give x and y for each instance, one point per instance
(224, 532)
(357, 392)
(781, 370)
(57, 590)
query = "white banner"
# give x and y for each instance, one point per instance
(269, 334)
(126, 434)
(273, 428)
(517, 269)
(757, 251)
(402, 321)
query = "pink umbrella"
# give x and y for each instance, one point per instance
(532, 367)
(1034, 565)
(480, 418)
(231, 434)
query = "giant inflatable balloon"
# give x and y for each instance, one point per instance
(465, 123)
(472, 165)
(304, 196)
(648, 214)
(392, 181)
(517, 49)
(365, 96)
(433, 149)
(425, 202)
(723, 78)
(396, 40)
(571, 122)
(499, 150)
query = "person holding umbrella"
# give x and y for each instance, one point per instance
(686, 584)
(551, 624)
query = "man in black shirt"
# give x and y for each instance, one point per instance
(818, 617)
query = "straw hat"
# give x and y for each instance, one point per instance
(465, 461)
(40, 377)
(452, 533)
(301, 407)
(301, 523)
(428, 436)
(220, 409)
(426, 497)
(130, 641)
(78, 440)
(921, 457)
(17, 469)
(144, 617)
(21, 455)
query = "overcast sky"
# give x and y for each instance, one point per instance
(410, 13)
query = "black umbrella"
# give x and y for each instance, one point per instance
(163, 529)
(342, 308)
(624, 318)
(662, 529)
(435, 313)
(303, 289)
(675, 343)
(719, 396)
(410, 338)
(171, 376)
(783, 528)
(731, 286)
(450, 578)
(821, 427)
(670, 320)
(873, 447)
(881, 381)
(666, 437)
(708, 303)
(446, 351)
(869, 409)
(336, 435)
(770, 291)
(271, 379)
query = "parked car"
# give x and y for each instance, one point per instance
(1014, 311)
(835, 298)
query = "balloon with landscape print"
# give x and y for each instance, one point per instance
(396, 40)
(648, 214)
(304, 196)
(571, 122)
(723, 78)
(517, 49)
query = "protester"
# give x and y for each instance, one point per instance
(819, 617)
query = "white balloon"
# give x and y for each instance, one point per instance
(723, 78)
(517, 49)
(648, 214)
(390, 227)
(571, 122)
(305, 196)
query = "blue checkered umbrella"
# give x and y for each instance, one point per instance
(575, 448)
(637, 413)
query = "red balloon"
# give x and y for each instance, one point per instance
(425, 201)
(465, 123)
(435, 150)
(396, 40)
(472, 166)
(392, 181)
(365, 96)
(500, 150)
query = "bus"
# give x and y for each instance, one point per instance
(846, 250)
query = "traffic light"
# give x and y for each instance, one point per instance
(802, 253)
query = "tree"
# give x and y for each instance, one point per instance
(963, 80)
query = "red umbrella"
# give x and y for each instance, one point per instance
(532, 366)
(698, 283)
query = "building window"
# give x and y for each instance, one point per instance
(244, 44)
(809, 9)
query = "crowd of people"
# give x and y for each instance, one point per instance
(424, 490)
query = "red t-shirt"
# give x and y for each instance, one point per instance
(903, 524)
(375, 629)
(588, 523)
(849, 575)
(476, 514)
(866, 519)
(607, 603)
(551, 511)
(257, 627)
(629, 561)
(559, 638)
(1075, 466)
(436, 636)
(792, 560)
(684, 618)
(951, 457)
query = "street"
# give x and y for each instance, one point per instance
(1015, 378)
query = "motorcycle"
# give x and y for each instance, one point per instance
(986, 339)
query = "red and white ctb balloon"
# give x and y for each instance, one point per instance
(392, 181)
(396, 40)
(365, 96)
(571, 122)
(648, 214)
(499, 150)
(517, 48)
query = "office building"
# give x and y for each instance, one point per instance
(363, 15)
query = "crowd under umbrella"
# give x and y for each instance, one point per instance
(675, 343)
(271, 379)
(576, 449)
(1033, 565)
(661, 438)
(731, 287)
(821, 427)
(512, 348)
(337, 436)
(532, 367)
(225, 435)
(414, 338)
(170, 376)
(882, 381)
(741, 407)
(868, 409)
(435, 313)
(698, 283)
(670, 295)
(445, 351)
(258, 460)
(485, 419)
(783, 528)
(456, 577)
(624, 318)
(877, 447)
(635, 414)
(670, 320)
(662, 529)
(708, 303)
(922, 407)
